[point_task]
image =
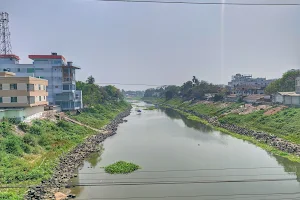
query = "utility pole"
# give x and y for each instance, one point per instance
(5, 45)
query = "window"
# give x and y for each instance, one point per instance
(39, 86)
(30, 70)
(1, 100)
(19, 69)
(65, 87)
(0, 86)
(56, 86)
(13, 99)
(13, 86)
(40, 98)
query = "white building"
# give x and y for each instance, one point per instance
(54, 68)
(246, 85)
(289, 98)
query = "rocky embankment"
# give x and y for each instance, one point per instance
(70, 162)
(269, 139)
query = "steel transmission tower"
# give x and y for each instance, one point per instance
(5, 46)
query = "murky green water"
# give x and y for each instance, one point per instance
(160, 141)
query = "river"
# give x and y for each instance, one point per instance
(183, 159)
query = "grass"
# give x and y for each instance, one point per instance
(265, 146)
(121, 167)
(150, 108)
(29, 159)
(101, 114)
(285, 124)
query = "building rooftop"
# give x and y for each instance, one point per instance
(70, 66)
(7, 74)
(294, 94)
(254, 97)
(53, 56)
(10, 56)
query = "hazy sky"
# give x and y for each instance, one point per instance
(158, 43)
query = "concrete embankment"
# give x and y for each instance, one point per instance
(70, 162)
(271, 140)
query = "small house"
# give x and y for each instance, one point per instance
(289, 98)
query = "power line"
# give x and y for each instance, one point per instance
(105, 184)
(181, 182)
(182, 177)
(203, 3)
(192, 170)
(130, 84)
(193, 196)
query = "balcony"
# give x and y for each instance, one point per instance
(66, 96)
(69, 79)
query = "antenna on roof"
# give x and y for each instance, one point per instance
(5, 45)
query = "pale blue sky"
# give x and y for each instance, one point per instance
(156, 43)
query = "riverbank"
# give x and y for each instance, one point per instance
(69, 163)
(29, 153)
(270, 142)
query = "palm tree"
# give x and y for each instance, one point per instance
(90, 80)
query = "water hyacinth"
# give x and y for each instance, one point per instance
(121, 167)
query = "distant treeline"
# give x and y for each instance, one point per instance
(133, 93)
(285, 84)
(190, 90)
(93, 94)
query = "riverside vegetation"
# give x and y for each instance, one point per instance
(283, 124)
(189, 97)
(30, 157)
(121, 167)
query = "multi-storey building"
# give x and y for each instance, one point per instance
(247, 85)
(54, 68)
(21, 97)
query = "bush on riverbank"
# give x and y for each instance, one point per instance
(99, 115)
(150, 108)
(28, 159)
(121, 167)
(285, 123)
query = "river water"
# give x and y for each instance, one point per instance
(182, 159)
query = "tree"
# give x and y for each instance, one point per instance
(90, 80)
(284, 84)
(171, 91)
(186, 89)
(93, 94)
(195, 81)
(218, 97)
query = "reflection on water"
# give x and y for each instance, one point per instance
(189, 123)
(166, 140)
(94, 158)
(289, 166)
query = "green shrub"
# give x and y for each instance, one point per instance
(45, 140)
(12, 144)
(24, 127)
(63, 124)
(27, 148)
(121, 167)
(30, 140)
(35, 129)
(5, 128)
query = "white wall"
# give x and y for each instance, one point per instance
(22, 99)
(5, 86)
(6, 99)
(278, 98)
(21, 86)
(33, 110)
